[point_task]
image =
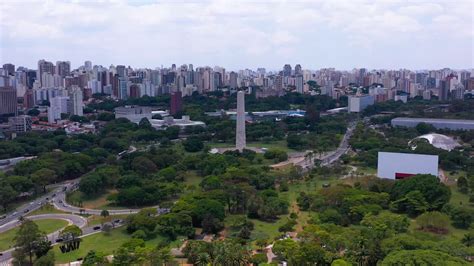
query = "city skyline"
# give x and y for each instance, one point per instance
(317, 34)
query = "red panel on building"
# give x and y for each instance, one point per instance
(402, 175)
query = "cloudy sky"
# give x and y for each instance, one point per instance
(241, 34)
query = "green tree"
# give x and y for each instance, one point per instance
(193, 144)
(144, 166)
(468, 239)
(424, 128)
(413, 203)
(71, 231)
(46, 260)
(43, 177)
(145, 124)
(259, 258)
(462, 217)
(7, 195)
(27, 241)
(435, 193)
(104, 214)
(421, 257)
(211, 182)
(94, 258)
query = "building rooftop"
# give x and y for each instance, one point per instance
(433, 120)
(439, 141)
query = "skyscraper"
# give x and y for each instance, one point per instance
(176, 102)
(298, 70)
(44, 67)
(299, 83)
(287, 70)
(240, 140)
(233, 80)
(76, 104)
(63, 68)
(8, 101)
(10, 69)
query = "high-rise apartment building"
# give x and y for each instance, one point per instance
(76, 104)
(9, 69)
(44, 67)
(298, 70)
(63, 68)
(287, 70)
(176, 103)
(233, 80)
(57, 105)
(299, 83)
(8, 101)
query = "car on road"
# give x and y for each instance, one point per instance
(96, 227)
(3, 217)
(27, 210)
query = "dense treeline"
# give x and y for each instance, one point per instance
(368, 223)
(231, 184)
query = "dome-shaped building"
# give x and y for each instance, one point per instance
(437, 140)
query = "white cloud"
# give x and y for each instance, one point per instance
(240, 33)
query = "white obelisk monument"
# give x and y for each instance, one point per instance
(240, 141)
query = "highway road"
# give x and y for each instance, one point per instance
(60, 203)
(329, 158)
(35, 204)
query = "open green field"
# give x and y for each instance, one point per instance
(47, 225)
(45, 209)
(92, 202)
(102, 242)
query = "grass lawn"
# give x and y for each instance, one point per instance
(46, 225)
(280, 144)
(459, 199)
(267, 230)
(99, 242)
(192, 179)
(45, 209)
(92, 202)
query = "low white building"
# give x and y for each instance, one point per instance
(393, 165)
(133, 113)
(357, 104)
(170, 121)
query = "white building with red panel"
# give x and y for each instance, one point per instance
(395, 165)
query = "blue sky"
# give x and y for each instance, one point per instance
(344, 34)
